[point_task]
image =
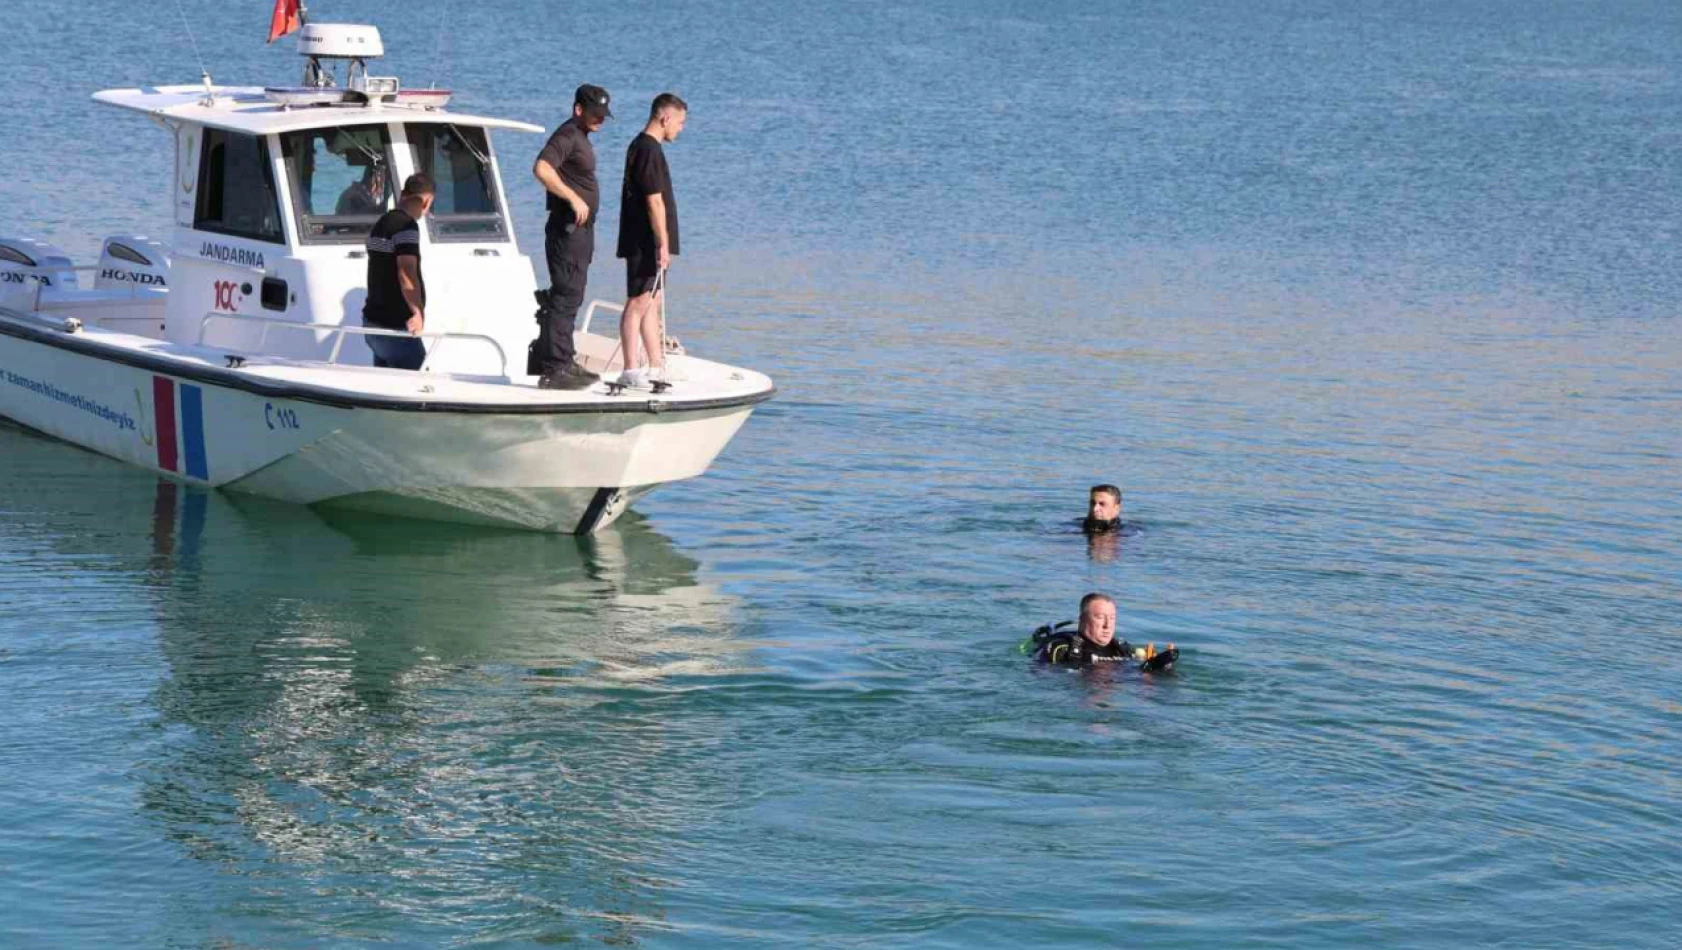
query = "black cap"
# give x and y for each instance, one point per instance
(594, 100)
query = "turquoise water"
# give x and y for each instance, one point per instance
(1369, 307)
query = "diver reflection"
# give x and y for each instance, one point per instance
(1103, 547)
(476, 713)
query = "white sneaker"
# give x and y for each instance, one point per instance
(633, 379)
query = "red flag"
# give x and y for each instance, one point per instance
(285, 19)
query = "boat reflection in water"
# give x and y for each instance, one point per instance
(423, 720)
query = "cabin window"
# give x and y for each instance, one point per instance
(341, 181)
(236, 188)
(458, 158)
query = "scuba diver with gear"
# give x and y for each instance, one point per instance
(1091, 641)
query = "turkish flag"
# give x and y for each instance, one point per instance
(285, 19)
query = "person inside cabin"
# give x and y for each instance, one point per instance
(396, 289)
(366, 196)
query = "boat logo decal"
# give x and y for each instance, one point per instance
(181, 446)
(121, 420)
(132, 276)
(228, 254)
(279, 417)
(223, 290)
(186, 163)
(147, 433)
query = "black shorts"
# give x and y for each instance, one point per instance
(640, 273)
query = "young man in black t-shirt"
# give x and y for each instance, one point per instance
(648, 236)
(396, 290)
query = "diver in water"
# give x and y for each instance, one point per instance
(1092, 641)
(1103, 510)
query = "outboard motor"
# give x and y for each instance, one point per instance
(132, 261)
(27, 264)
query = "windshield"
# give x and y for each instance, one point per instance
(467, 207)
(341, 181)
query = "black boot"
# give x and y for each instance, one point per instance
(570, 376)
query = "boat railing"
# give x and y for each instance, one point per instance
(590, 312)
(673, 347)
(340, 331)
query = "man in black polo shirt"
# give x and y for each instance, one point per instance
(396, 290)
(567, 170)
(648, 236)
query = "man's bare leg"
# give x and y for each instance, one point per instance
(630, 328)
(652, 344)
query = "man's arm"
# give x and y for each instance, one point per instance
(408, 278)
(657, 219)
(550, 178)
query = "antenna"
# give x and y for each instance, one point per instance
(204, 72)
(438, 52)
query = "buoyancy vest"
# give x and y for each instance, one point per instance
(1061, 644)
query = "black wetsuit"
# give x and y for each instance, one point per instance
(1062, 645)
(1072, 649)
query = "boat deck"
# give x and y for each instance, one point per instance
(695, 383)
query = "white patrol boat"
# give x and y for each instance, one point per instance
(233, 355)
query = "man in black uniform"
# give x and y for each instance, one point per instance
(396, 290)
(648, 237)
(567, 169)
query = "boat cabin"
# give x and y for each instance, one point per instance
(275, 190)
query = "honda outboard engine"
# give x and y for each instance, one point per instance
(27, 264)
(132, 261)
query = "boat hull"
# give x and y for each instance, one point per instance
(568, 471)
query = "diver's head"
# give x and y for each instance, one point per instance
(1097, 619)
(1103, 503)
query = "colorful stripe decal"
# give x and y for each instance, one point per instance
(192, 430)
(163, 408)
(180, 442)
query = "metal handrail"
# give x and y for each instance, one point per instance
(590, 312)
(341, 330)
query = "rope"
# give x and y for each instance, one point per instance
(669, 346)
(659, 288)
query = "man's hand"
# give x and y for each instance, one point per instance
(664, 256)
(580, 210)
(416, 323)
